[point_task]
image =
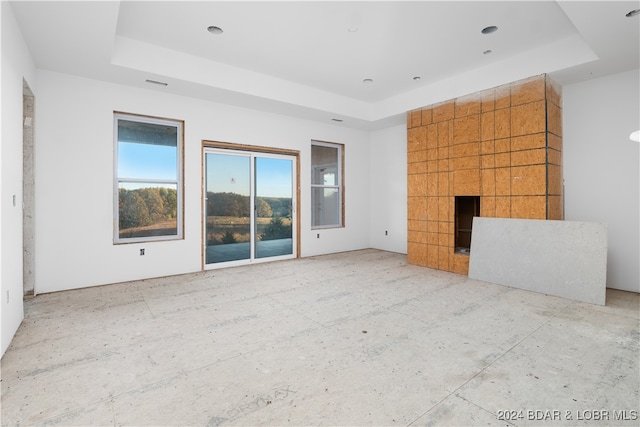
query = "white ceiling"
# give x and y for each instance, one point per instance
(309, 59)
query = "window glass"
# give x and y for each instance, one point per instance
(326, 185)
(148, 179)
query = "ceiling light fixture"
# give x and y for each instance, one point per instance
(367, 81)
(215, 30)
(635, 136)
(155, 82)
(489, 29)
(634, 12)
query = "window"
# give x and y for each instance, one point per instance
(148, 179)
(326, 185)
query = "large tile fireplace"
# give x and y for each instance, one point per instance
(496, 153)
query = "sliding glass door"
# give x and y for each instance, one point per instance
(249, 207)
(274, 206)
(228, 207)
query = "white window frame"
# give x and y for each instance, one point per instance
(178, 182)
(339, 186)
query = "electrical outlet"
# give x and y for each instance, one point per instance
(318, 236)
(141, 251)
(386, 232)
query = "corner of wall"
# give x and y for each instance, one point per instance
(16, 64)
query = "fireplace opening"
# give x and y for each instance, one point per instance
(466, 208)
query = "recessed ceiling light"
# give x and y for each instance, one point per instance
(155, 82)
(367, 81)
(416, 78)
(489, 30)
(215, 30)
(487, 52)
(635, 12)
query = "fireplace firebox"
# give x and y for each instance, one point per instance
(466, 208)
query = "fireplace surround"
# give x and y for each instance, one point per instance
(501, 147)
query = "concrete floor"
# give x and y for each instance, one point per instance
(357, 338)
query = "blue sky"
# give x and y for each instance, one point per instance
(273, 177)
(146, 161)
(230, 173)
(225, 173)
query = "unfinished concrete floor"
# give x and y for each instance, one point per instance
(357, 338)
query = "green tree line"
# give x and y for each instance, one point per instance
(146, 206)
(280, 206)
(233, 204)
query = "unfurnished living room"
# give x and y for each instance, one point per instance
(339, 213)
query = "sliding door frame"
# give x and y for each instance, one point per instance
(231, 147)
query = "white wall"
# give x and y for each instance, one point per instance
(389, 189)
(74, 181)
(601, 172)
(17, 65)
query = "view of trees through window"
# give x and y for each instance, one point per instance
(228, 218)
(146, 212)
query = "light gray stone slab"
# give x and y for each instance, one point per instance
(562, 258)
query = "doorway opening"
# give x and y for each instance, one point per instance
(28, 191)
(466, 208)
